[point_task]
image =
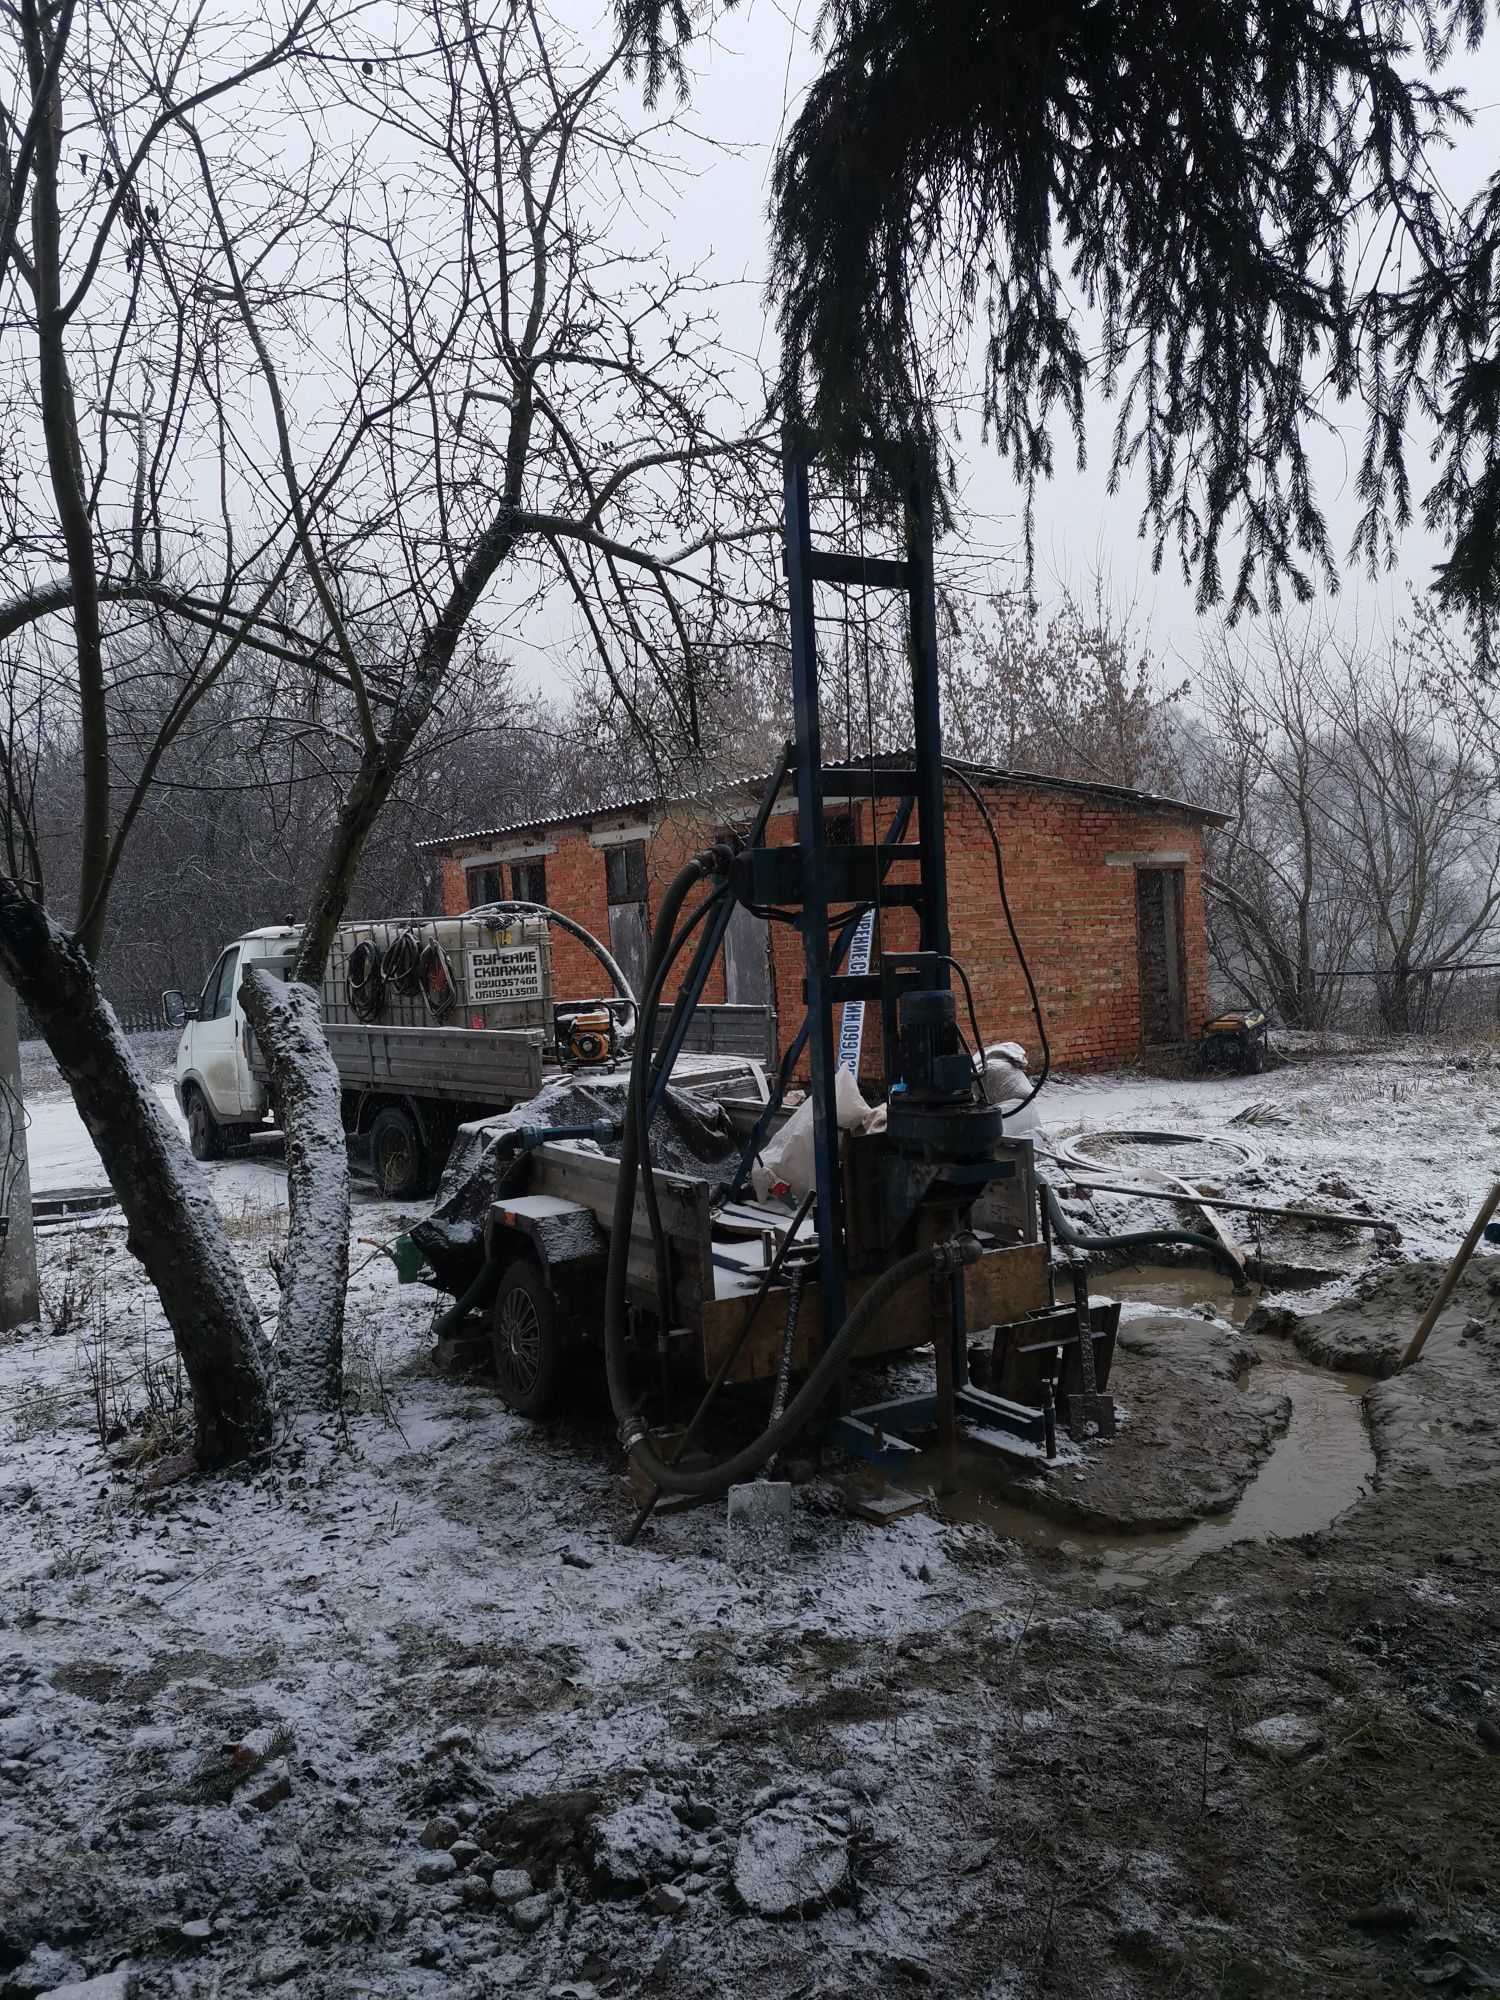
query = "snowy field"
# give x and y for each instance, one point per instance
(392, 1713)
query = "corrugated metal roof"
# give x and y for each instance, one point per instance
(1120, 795)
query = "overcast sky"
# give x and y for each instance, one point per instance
(748, 81)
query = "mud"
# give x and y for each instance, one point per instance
(1269, 1775)
(1194, 1426)
(1369, 1327)
(1319, 1465)
(1224, 1438)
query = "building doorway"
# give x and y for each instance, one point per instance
(747, 968)
(1158, 929)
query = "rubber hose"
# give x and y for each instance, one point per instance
(469, 1301)
(615, 1306)
(478, 1293)
(623, 987)
(715, 1478)
(1069, 1233)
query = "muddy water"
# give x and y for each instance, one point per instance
(1177, 1285)
(1316, 1470)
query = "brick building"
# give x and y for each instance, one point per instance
(1106, 886)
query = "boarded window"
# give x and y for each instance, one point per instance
(747, 964)
(625, 892)
(840, 829)
(625, 872)
(528, 881)
(1158, 918)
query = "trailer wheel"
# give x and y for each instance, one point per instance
(533, 1356)
(397, 1155)
(205, 1134)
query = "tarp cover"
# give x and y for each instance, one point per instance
(691, 1134)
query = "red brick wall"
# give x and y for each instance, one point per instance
(1075, 915)
(575, 885)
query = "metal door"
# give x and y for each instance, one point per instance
(1158, 918)
(216, 1048)
(747, 969)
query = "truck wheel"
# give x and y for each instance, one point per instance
(397, 1155)
(533, 1356)
(205, 1134)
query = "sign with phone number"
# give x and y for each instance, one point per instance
(512, 972)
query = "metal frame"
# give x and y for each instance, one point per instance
(867, 1432)
(812, 880)
(806, 566)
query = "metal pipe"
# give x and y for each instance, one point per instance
(1068, 1233)
(1192, 1199)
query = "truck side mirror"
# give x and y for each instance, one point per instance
(175, 1011)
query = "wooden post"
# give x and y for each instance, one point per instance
(1451, 1276)
(18, 1290)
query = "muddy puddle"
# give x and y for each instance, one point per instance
(1318, 1468)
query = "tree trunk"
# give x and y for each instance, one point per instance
(174, 1229)
(18, 1292)
(306, 1088)
(1393, 999)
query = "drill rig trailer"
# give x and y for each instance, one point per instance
(746, 1304)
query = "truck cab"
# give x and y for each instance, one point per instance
(220, 1095)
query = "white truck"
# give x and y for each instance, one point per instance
(432, 1022)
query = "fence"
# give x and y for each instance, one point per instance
(137, 1011)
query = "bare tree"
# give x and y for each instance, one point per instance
(1073, 693)
(345, 362)
(525, 398)
(1363, 839)
(1282, 934)
(103, 350)
(1413, 800)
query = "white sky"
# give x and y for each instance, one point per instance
(748, 80)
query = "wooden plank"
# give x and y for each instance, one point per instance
(1004, 1284)
(470, 1065)
(727, 1028)
(590, 1180)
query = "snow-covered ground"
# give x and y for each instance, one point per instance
(394, 1714)
(61, 1154)
(1412, 1133)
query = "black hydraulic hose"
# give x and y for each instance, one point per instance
(478, 1293)
(977, 796)
(640, 1080)
(623, 990)
(1068, 1232)
(714, 1478)
(615, 1303)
